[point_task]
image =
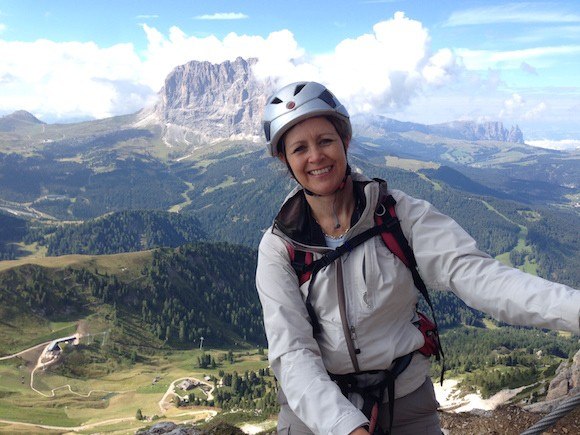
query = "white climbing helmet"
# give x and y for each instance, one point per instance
(296, 102)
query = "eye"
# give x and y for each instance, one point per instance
(299, 149)
(326, 141)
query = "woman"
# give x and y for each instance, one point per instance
(364, 303)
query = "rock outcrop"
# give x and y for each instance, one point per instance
(169, 427)
(567, 380)
(564, 385)
(202, 101)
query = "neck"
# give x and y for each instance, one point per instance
(333, 212)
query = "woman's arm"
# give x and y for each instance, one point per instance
(292, 350)
(448, 258)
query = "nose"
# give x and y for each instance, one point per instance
(315, 154)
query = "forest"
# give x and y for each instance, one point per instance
(124, 231)
(198, 280)
(223, 192)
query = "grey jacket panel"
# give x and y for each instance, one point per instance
(381, 300)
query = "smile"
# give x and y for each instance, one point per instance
(321, 171)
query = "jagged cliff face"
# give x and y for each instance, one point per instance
(203, 102)
(212, 101)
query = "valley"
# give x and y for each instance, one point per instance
(139, 234)
(110, 403)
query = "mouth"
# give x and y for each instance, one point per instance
(321, 171)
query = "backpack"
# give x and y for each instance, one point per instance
(387, 225)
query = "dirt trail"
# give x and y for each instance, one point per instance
(43, 358)
(22, 352)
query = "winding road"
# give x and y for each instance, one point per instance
(46, 358)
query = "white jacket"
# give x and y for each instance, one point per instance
(380, 301)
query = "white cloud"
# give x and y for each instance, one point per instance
(516, 108)
(66, 79)
(164, 53)
(222, 16)
(374, 71)
(480, 60)
(512, 105)
(379, 71)
(526, 67)
(146, 17)
(535, 112)
(566, 144)
(511, 13)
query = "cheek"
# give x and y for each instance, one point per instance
(293, 162)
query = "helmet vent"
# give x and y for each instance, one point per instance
(299, 88)
(327, 97)
(267, 130)
(276, 101)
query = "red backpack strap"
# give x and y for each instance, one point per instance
(390, 239)
(397, 243)
(299, 260)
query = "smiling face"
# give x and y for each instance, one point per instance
(316, 154)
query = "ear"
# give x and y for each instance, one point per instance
(282, 158)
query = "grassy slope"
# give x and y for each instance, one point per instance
(26, 329)
(121, 392)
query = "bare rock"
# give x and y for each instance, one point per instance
(567, 379)
(204, 102)
(170, 428)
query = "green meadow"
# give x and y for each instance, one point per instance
(109, 403)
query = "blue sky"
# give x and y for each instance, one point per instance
(429, 62)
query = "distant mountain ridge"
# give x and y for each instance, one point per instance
(377, 125)
(226, 100)
(203, 102)
(18, 119)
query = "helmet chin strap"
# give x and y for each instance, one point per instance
(337, 224)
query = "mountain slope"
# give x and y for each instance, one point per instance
(174, 296)
(125, 231)
(18, 120)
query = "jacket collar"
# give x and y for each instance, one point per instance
(295, 220)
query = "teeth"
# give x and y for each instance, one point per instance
(320, 171)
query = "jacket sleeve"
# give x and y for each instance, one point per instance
(448, 258)
(293, 352)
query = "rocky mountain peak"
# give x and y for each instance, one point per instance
(203, 102)
(212, 101)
